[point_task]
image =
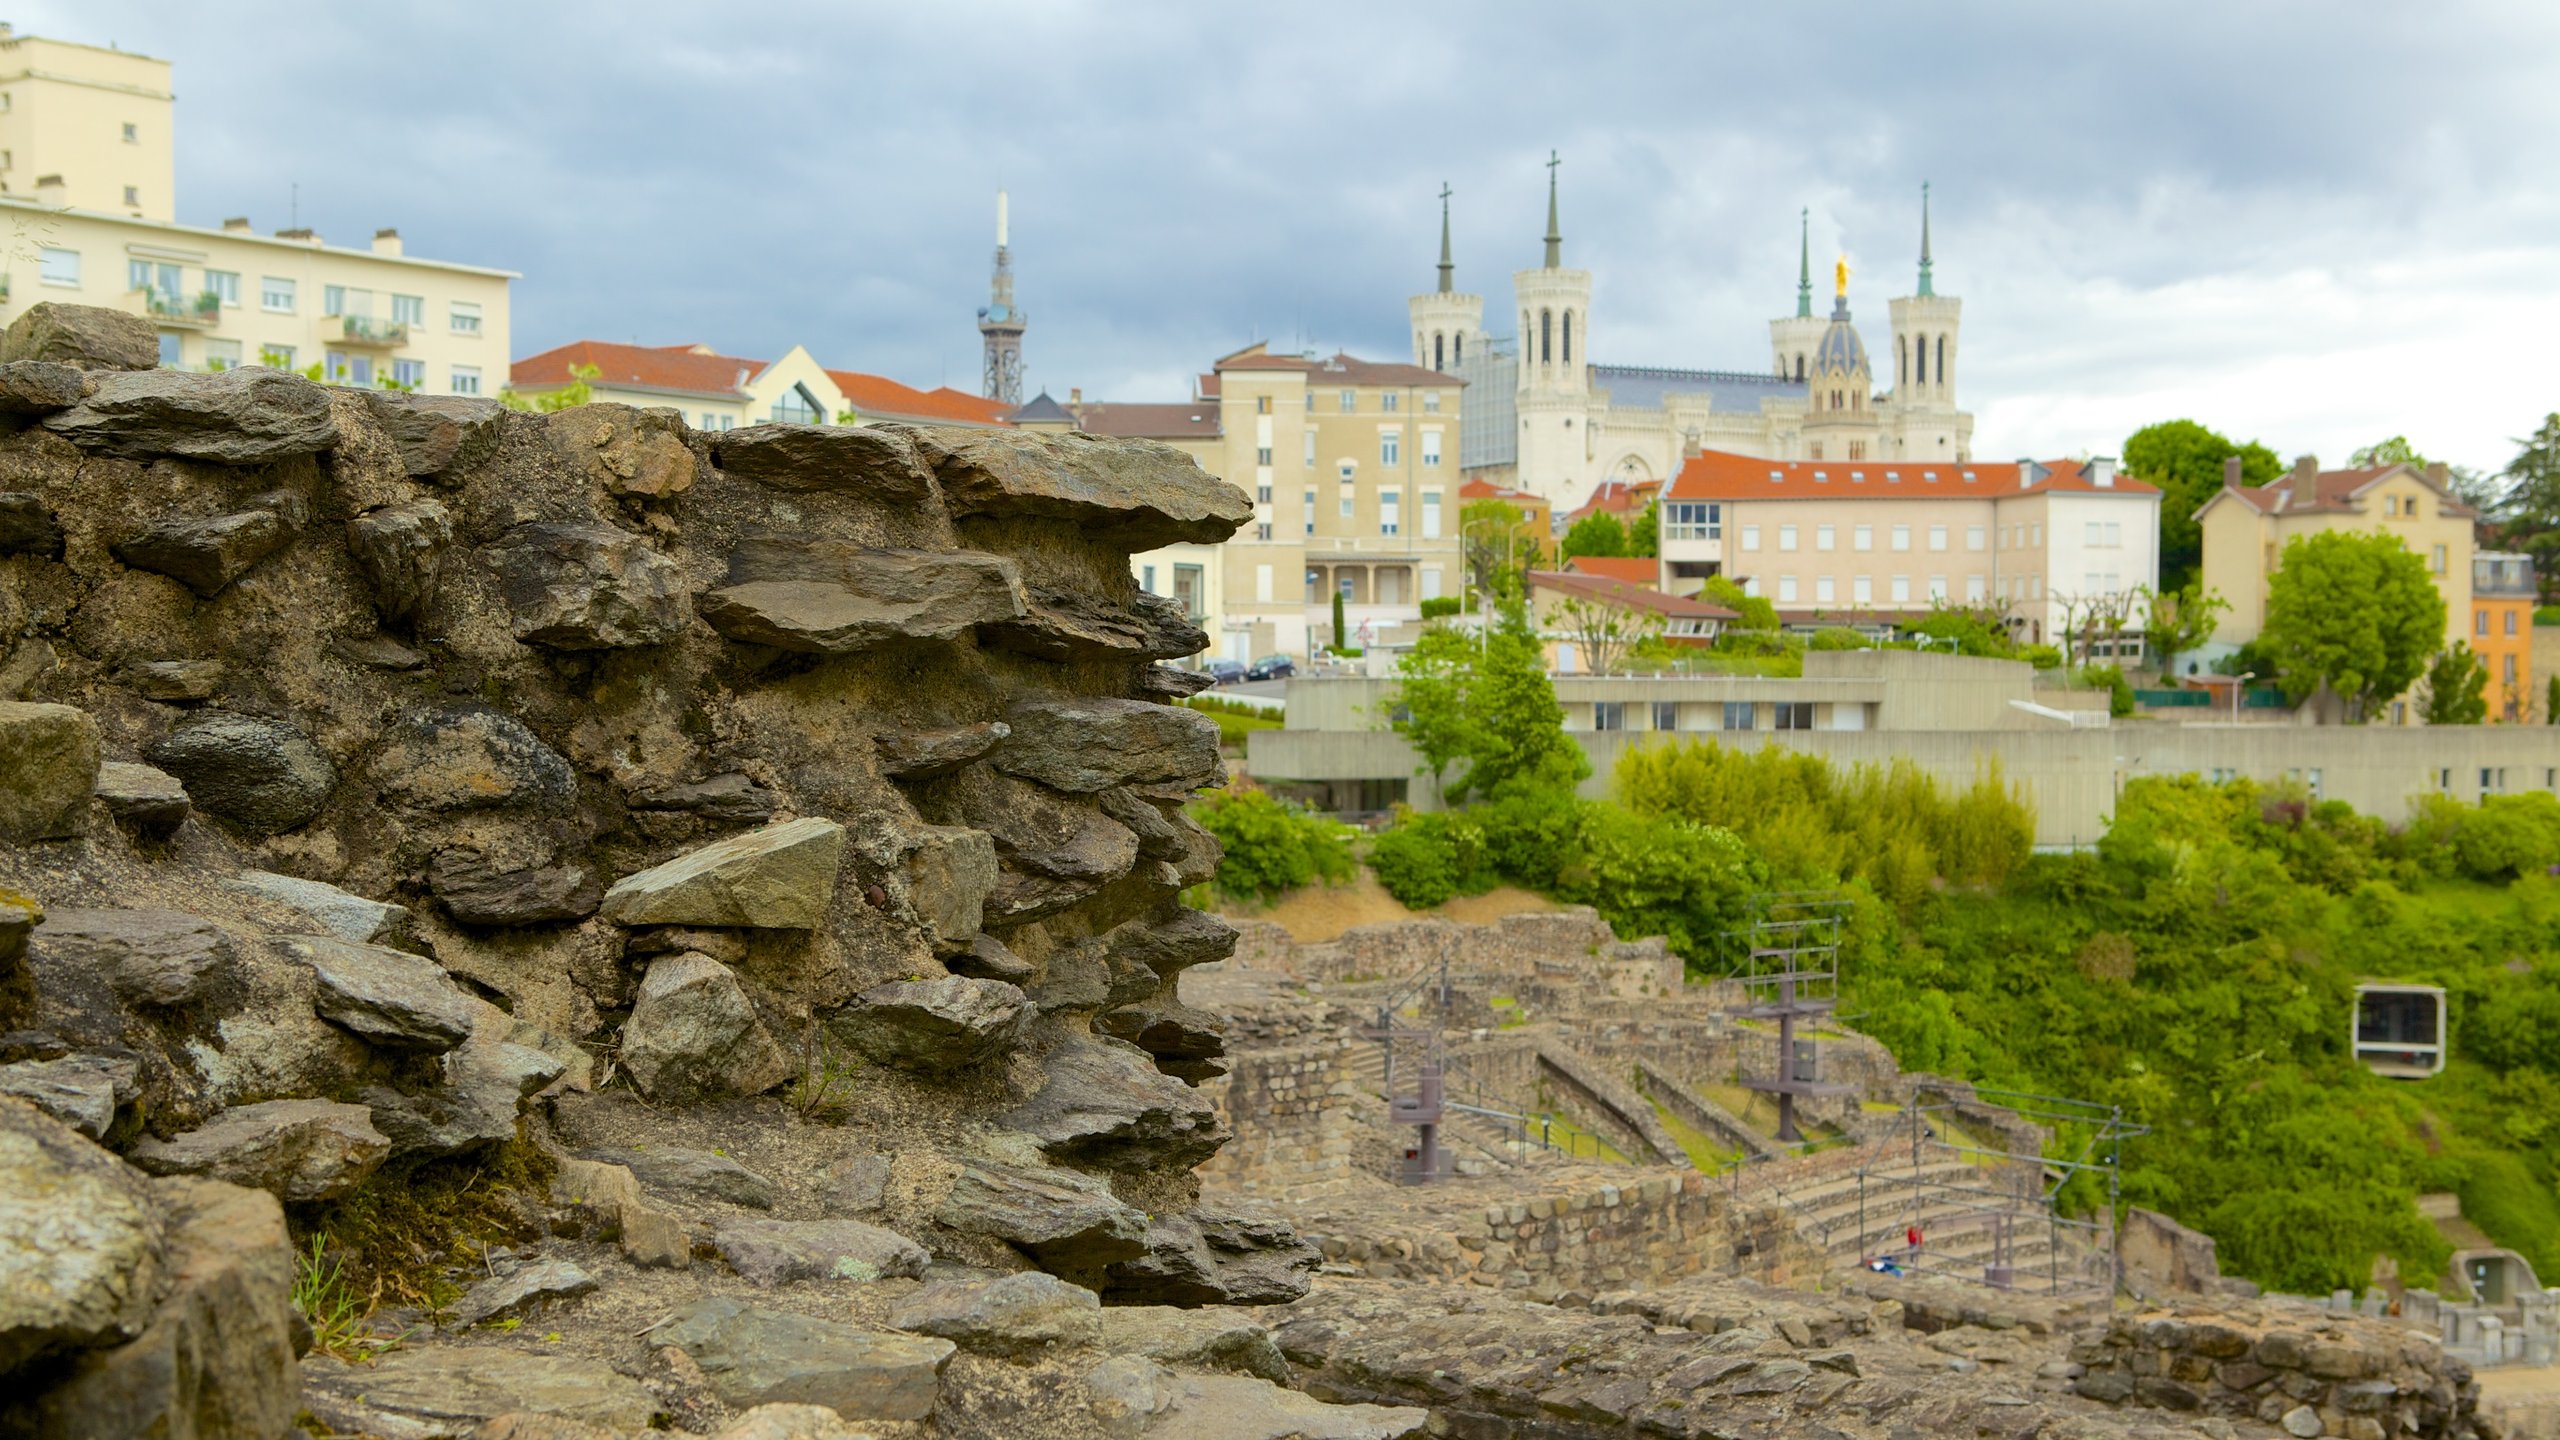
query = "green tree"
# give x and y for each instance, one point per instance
(1756, 611)
(2185, 460)
(1340, 636)
(579, 391)
(1271, 848)
(2354, 611)
(1487, 701)
(2551, 702)
(1499, 545)
(2180, 620)
(1598, 535)
(1644, 537)
(1605, 633)
(2533, 497)
(2458, 687)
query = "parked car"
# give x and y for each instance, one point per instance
(1272, 667)
(1224, 672)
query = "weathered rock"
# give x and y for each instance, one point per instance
(920, 755)
(148, 957)
(1009, 1315)
(485, 1082)
(83, 1243)
(444, 1393)
(523, 1425)
(698, 1173)
(785, 1252)
(1207, 1258)
(939, 1026)
(779, 878)
(19, 915)
(84, 337)
(1209, 1339)
(340, 913)
(296, 1149)
(1135, 1397)
(1104, 1104)
(760, 1357)
(148, 799)
(248, 416)
(1137, 494)
(1169, 683)
(855, 1185)
(871, 461)
(84, 1092)
(588, 587)
(1055, 850)
(831, 598)
(216, 1361)
(1084, 745)
(258, 775)
(400, 550)
(948, 877)
(173, 682)
(730, 797)
(207, 553)
(1068, 1221)
(27, 528)
(1183, 1038)
(988, 958)
(438, 433)
(48, 771)
(39, 387)
(471, 758)
(790, 1422)
(390, 999)
(1175, 939)
(475, 894)
(1065, 623)
(694, 1035)
(526, 1286)
(377, 652)
(637, 453)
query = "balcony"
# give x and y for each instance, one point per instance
(366, 330)
(195, 312)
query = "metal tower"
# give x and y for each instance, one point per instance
(1001, 325)
(1794, 974)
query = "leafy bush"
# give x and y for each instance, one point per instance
(1423, 860)
(1441, 607)
(1272, 848)
(1836, 637)
(2509, 835)
(2109, 678)
(1756, 611)
(2043, 657)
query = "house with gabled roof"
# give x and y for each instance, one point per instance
(722, 392)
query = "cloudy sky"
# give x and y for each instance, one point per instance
(2312, 224)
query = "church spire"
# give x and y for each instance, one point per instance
(1804, 264)
(1555, 236)
(1925, 288)
(1448, 268)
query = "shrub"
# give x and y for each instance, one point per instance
(2043, 657)
(1836, 637)
(2111, 679)
(1441, 607)
(1272, 848)
(2508, 836)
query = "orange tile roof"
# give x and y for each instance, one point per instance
(1618, 498)
(2330, 490)
(1628, 569)
(877, 396)
(684, 369)
(1619, 592)
(1719, 475)
(1482, 489)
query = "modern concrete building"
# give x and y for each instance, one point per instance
(87, 184)
(723, 392)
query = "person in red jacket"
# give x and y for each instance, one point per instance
(1913, 1236)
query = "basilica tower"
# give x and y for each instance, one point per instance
(1448, 325)
(1001, 325)
(1925, 326)
(1791, 340)
(1840, 423)
(1555, 374)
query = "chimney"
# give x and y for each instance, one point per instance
(305, 235)
(49, 191)
(1075, 394)
(1689, 446)
(386, 242)
(2231, 471)
(2102, 471)
(2306, 469)
(2438, 475)
(238, 225)
(2029, 472)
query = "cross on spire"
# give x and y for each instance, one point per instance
(1555, 236)
(1447, 267)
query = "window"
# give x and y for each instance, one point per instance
(1902, 589)
(276, 357)
(2509, 678)
(1344, 584)
(2390, 504)
(1568, 339)
(409, 310)
(1666, 714)
(1387, 402)
(223, 285)
(1937, 537)
(1737, 714)
(1262, 583)
(1262, 455)
(57, 266)
(1430, 402)
(1787, 588)
(1430, 514)
(466, 317)
(2511, 621)
(1147, 578)
(1823, 592)
(1311, 512)
(466, 381)
(1974, 537)
(1692, 520)
(1261, 404)
(1975, 589)
(1262, 530)
(1862, 589)
(1262, 494)
(2436, 560)
(2479, 622)
(410, 374)
(1390, 447)
(1937, 589)
(1791, 715)
(1862, 537)
(1430, 449)
(1750, 537)
(1608, 715)
(1345, 470)
(221, 354)
(1787, 537)
(335, 368)
(1390, 508)
(2035, 535)
(2488, 780)
(1310, 437)
(333, 299)
(275, 295)
(1901, 537)
(1857, 451)
(1347, 503)
(1350, 401)
(795, 406)
(1825, 537)
(171, 354)
(132, 134)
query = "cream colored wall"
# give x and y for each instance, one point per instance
(2423, 524)
(1844, 563)
(106, 243)
(796, 367)
(2236, 567)
(63, 109)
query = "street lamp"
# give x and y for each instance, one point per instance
(2239, 683)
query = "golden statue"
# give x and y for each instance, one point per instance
(1840, 277)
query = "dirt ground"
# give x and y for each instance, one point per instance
(1322, 912)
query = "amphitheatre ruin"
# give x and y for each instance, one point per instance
(566, 927)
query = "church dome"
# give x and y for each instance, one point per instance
(1841, 349)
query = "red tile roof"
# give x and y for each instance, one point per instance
(684, 369)
(1341, 369)
(879, 397)
(1628, 570)
(1719, 475)
(1194, 421)
(1619, 592)
(2334, 491)
(1482, 489)
(1618, 497)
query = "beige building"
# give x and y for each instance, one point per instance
(723, 392)
(2246, 528)
(87, 192)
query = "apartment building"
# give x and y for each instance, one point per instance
(88, 194)
(2247, 527)
(2043, 543)
(2502, 598)
(722, 392)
